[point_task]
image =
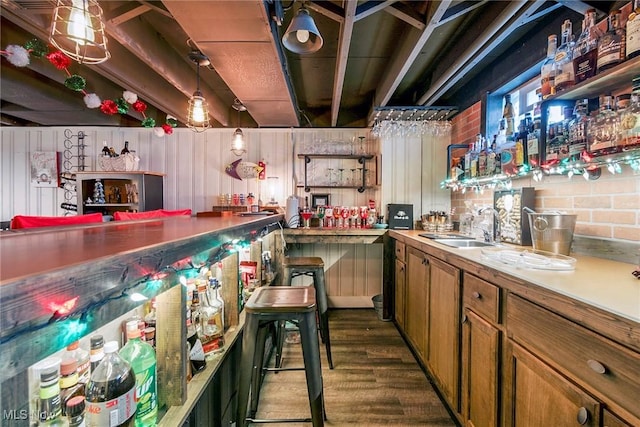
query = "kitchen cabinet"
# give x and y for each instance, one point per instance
(536, 395)
(481, 337)
(400, 285)
(123, 191)
(417, 301)
(443, 319)
(354, 176)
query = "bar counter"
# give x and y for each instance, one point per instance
(51, 278)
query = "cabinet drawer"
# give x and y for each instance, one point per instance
(608, 370)
(482, 297)
(400, 250)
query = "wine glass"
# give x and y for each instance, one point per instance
(328, 212)
(306, 216)
(345, 213)
(364, 213)
(320, 215)
(354, 213)
(336, 214)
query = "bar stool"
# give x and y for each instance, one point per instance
(266, 305)
(314, 267)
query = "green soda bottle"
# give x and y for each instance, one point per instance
(142, 358)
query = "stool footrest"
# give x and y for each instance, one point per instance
(285, 420)
(282, 369)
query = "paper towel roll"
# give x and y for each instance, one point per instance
(292, 217)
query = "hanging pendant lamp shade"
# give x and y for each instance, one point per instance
(77, 30)
(237, 142)
(302, 36)
(198, 112)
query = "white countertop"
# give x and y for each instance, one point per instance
(605, 284)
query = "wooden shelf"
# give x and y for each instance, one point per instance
(615, 78)
(337, 156)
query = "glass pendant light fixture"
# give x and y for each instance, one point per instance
(198, 113)
(77, 29)
(237, 143)
(303, 35)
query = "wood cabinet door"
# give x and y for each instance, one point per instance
(400, 289)
(444, 329)
(417, 285)
(536, 395)
(480, 367)
(610, 420)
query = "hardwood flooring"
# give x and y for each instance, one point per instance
(376, 381)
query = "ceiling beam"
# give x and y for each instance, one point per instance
(142, 41)
(410, 49)
(460, 9)
(406, 14)
(126, 12)
(327, 9)
(502, 26)
(576, 5)
(346, 31)
(372, 6)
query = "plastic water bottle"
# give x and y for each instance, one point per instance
(142, 358)
(111, 391)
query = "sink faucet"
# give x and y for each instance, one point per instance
(491, 231)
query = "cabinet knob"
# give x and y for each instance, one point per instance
(425, 261)
(596, 366)
(464, 318)
(583, 416)
(476, 295)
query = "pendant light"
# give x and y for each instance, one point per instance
(77, 29)
(302, 36)
(198, 113)
(237, 142)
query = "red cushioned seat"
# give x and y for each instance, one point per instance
(26, 221)
(158, 213)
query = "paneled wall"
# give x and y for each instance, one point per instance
(194, 165)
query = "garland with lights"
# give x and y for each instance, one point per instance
(20, 56)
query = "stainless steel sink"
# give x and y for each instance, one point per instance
(434, 236)
(459, 243)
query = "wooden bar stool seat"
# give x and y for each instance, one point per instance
(266, 305)
(314, 267)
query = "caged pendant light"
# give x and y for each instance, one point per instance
(237, 143)
(77, 29)
(303, 35)
(198, 112)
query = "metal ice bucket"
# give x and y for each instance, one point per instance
(552, 231)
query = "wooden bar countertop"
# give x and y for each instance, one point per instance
(600, 293)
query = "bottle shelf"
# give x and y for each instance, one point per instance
(609, 80)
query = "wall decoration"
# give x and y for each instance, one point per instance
(319, 200)
(44, 169)
(243, 170)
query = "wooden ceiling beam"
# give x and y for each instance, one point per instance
(327, 9)
(372, 6)
(346, 31)
(408, 15)
(126, 12)
(460, 9)
(512, 16)
(407, 54)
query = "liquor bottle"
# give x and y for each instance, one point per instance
(482, 158)
(548, 71)
(467, 162)
(509, 117)
(563, 61)
(630, 121)
(578, 130)
(50, 409)
(491, 156)
(82, 357)
(474, 157)
(521, 144)
(633, 31)
(97, 351)
(533, 141)
(69, 385)
(111, 391)
(611, 45)
(585, 52)
(125, 150)
(105, 149)
(142, 359)
(601, 135)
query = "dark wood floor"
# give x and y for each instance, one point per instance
(375, 381)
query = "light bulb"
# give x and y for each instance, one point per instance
(302, 36)
(79, 27)
(198, 111)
